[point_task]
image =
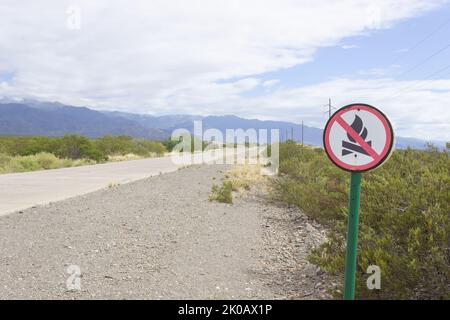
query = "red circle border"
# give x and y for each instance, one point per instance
(386, 150)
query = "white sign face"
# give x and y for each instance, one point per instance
(358, 138)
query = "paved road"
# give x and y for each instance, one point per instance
(19, 191)
(23, 190)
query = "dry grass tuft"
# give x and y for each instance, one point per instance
(245, 176)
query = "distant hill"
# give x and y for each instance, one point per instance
(288, 130)
(58, 120)
(55, 119)
(313, 136)
(166, 122)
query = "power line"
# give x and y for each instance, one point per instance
(421, 41)
(419, 82)
(416, 45)
(424, 61)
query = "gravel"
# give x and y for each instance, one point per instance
(161, 238)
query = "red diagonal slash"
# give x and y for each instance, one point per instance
(358, 138)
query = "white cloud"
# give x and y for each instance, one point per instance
(270, 83)
(389, 71)
(416, 108)
(349, 46)
(164, 56)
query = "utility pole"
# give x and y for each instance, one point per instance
(292, 133)
(303, 130)
(329, 107)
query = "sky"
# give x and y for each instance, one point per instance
(264, 59)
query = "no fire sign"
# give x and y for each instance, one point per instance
(358, 137)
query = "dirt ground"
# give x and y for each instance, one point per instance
(161, 238)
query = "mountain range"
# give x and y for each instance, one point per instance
(56, 119)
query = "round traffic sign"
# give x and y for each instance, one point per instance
(358, 138)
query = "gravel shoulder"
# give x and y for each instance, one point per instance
(161, 238)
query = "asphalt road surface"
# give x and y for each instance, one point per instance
(24, 190)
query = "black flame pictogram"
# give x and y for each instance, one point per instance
(352, 146)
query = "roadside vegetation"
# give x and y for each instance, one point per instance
(40, 161)
(240, 178)
(404, 223)
(222, 193)
(21, 154)
(195, 143)
(243, 177)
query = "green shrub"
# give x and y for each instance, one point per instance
(123, 145)
(47, 161)
(20, 154)
(112, 145)
(404, 224)
(79, 147)
(147, 147)
(25, 146)
(222, 193)
(40, 161)
(170, 144)
(195, 143)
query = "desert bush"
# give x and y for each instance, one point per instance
(70, 149)
(69, 146)
(170, 144)
(239, 178)
(25, 146)
(78, 147)
(114, 145)
(404, 224)
(244, 177)
(195, 142)
(123, 145)
(222, 193)
(40, 161)
(147, 147)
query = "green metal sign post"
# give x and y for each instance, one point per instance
(352, 236)
(357, 138)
